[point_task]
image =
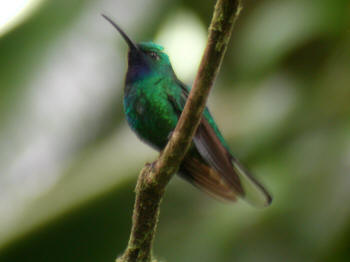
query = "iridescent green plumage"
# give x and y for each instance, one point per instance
(153, 101)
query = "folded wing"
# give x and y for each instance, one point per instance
(216, 170)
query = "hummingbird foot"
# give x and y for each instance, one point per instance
(151, 165)
(170, 135)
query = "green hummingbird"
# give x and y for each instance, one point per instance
(153, 100)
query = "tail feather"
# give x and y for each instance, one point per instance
(227, 167)
(206, 179)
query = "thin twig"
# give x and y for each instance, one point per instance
(154, 178)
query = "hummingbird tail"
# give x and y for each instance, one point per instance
(228, 168)
(206, 178)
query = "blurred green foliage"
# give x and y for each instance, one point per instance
(68, 163)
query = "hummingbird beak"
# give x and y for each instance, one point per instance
(130, 43)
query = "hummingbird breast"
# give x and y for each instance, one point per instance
(148, 110)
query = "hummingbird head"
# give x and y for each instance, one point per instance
(144, 58)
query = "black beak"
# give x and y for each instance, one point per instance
(130, 43)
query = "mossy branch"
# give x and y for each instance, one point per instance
(154, 178)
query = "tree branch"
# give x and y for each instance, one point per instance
(154, 178)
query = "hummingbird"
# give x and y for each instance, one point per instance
(153, 101)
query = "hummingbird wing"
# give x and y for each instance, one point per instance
(220, 174)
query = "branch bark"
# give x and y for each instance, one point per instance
(154, 178)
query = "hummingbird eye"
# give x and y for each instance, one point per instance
(154, 55)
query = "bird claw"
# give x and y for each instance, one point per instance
(151, 165)
(170, 135)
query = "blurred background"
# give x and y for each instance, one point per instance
(69, 162)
